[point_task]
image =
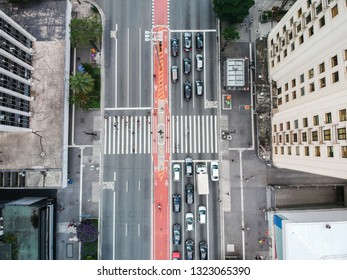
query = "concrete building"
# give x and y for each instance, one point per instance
(308, 234)
(307, 54)
(15, 75)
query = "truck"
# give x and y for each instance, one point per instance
(202, 178)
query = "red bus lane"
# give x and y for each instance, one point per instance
(160, 130)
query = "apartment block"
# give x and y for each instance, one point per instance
(307, 52)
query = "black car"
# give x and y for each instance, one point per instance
(174, 46)
(176, 234)
(187, 90)
(203, 250)
(199, 41)
(176, 203)
(187, 65)
(188, 164)
(189, 194)
(187, 39)
(189, 249)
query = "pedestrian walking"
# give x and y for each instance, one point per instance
(159, 206)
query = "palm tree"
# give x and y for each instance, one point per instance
(81, 86)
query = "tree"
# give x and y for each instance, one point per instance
(81, 86)
(85, 30)
(230, 33)
(87, 232)
(233, 11)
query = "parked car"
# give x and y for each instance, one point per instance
(214, 171)
(189, 221)
(176, 255)
(174, 46)
(202, 214)
(174, 73)
(176, 172)
(203, 250)
(189, 194)
(187, 38)
(189, 249)
(176, 234)
(176, 203)
(187, 90)
(199, 62)
(188, 164)
(187, 65)
(199, 41)
(199, 88)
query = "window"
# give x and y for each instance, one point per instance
(304, 137)
(321, 21)
(317, 151)
(299, 13)
(302, 91)
(287, 138)
(301, 39)
(290, 36)
(344, 151)
(310, 31)
(296, 124)
(281, 126)
(279, 90)
(327, 134)
(330, 151)
(291, 21)
(334, 61)
(276, 150)
(304, 122)
(289, 151)
(298, 28)
(275, 128)
(311, 73)
(280, 138)
(321, 67)
(295, 137)
(282, 150)
(294, 95)
(314, 135)
(341, 133)
(286, 86)
(327, 118)
(322, 82)
(293, 83)
(342, 115)
(334, 11)
(272, 63)
(307, 151)
(288, 125)
(308, 19)
(319, 8)
(287, 97)
(279, 101)
(297, 151)
(335, 77)
(302, 78)
(316, 120)
(345, 54)
(292, 46)
(285, 53)
(278, 58)
(312, 87)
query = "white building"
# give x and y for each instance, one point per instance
(308, 70)
(308, 234)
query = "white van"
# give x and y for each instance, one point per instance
(199, 62)
(174, 74)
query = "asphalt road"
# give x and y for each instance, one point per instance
(126, 202)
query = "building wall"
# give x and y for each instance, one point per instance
(15, 75)
(308, 71)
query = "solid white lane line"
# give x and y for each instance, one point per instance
(212, 134)
(128, 70)
(116, 71)
(105, 135)
(139, 185)
(118, 134)
(114, 137)
(136, 125)
(203, 133)
(126, 186)
(173, 134)
(138, 230)
(144, 130)
(178, 135)
(114, 225)
(140, 129)
(215, 134)
(149, 134)
(186, 134)
(140, 91)
(126, 229)
(199, 135)
(207, 135)
(126, 146)
(190, 134)
(195, 138)
(122, 148)
(110, 135)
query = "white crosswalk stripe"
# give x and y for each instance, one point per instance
(194, 134)
(127, 135)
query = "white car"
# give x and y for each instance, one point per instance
(176, 172)
(202, 214)
(214, 171)
(189, 221)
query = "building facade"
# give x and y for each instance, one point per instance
(307, 54)
(15, 75)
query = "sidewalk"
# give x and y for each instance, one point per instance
(81, 197)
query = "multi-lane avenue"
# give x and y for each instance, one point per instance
(129, 200)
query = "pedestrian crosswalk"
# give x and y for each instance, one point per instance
(187, 134)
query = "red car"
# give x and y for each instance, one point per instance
(176, 255)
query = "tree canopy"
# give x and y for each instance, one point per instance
(233, 11)
(85, 30)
